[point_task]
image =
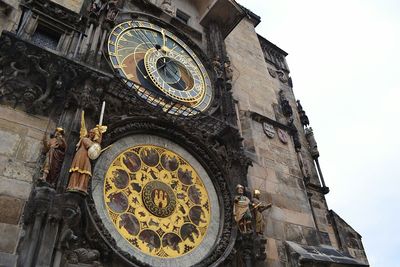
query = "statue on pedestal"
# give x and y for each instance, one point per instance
(258, 208)
(241, 210)
(87, 148)
(55, 152)
(218, 68)
(228, 74)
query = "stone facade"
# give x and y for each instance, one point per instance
(54, 64)
(21, 144)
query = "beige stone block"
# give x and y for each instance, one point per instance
(271, 249)
(23, 119)
(9, 237)
(271, 175)
(291, 216)
(74, 5)
(274, 229)
(271, 187)
(18, 170)
(256, 183)
(10, 209)
(29, 150)
(257, 171)
(299, 218)
(14, 188)
(9, 142)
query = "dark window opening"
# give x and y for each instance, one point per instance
(45, 36)
(182, 16)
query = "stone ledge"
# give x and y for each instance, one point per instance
(8, 260)
(15, 188)
(326, 255)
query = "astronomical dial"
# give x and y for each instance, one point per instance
(157, 201)
(160, 67)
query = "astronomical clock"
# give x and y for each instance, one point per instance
(160, 67)
(157, 199)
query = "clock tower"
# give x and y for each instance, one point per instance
(156, 133)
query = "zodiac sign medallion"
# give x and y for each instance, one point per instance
(157, 201)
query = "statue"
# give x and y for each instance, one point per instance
(112, 10)
(228, 74)
(55, 152)
(311, 141)
(286, 108)
(95, 8)
(241, 210)
(217, 66)
(303, 117)
(84, 255)
(166, 6)
(87, 148)
(258, 208)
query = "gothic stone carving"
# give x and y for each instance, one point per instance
(285, 106)
(312, 143)
(303, 117)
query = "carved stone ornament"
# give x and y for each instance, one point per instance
(282, 76)
(167, 7)
(282, 136)
(268, 130)
(272, 72)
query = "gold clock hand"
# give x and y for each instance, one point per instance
(164, 47)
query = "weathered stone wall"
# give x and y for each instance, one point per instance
(251, 85)
(9, 15)
(276, 171)
(20, 148)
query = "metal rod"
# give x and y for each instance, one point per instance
(103, 106)
(320, 173)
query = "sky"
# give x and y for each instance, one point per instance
(343, 58)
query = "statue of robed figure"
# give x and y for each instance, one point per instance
(88, 148)
(55, 152)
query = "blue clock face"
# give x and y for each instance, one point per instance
(159, 66)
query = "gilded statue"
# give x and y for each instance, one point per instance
(241, 210)
(55, 152)
(87, 148)
(258, 208)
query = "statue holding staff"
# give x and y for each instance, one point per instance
(88, 148)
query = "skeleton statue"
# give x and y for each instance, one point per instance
(55, 152)
(218, 69)
(241, 210)
(228, 74)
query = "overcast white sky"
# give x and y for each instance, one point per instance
(344, 58)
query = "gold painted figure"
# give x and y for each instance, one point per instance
(55, 152)
(241, 210)
(81, 169)
(258, 208)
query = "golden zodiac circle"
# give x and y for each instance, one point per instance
(157, 201)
